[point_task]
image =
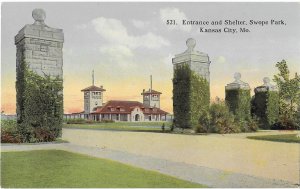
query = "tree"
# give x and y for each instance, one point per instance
(289, 96)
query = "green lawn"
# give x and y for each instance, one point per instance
(126, 126)
(291, 138)
(61, 169)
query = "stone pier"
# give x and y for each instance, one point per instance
(39, 49)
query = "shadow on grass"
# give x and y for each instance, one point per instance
(288, 138)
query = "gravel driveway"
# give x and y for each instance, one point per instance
(234, 155)
(215, 160)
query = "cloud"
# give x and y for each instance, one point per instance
(139, 24)
(174, 14)
(81, 26)
(168, 60)
(118, 51)
(220, 59)
(114, 32)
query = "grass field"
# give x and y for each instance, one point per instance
(126, 126)
(291, 138)
(61, 169)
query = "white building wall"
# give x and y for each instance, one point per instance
(137, 111)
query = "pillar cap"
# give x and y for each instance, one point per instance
(39, 15)
(237, 83)
(190, 43)
(267, 86)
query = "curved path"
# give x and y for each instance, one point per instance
(229, 153)
(215, 160)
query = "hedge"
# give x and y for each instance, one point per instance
(238, 101)
(39, 105)
(191, 96)
(265, 106)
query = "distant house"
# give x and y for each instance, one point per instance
(128, 111)
(119, 110)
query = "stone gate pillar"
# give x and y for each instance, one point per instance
(237, 97)
(265, 104)
(191, 91)
(40, 48)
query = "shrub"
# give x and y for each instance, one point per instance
(265, 106)
(43, 135)
(249, 125)
(163, 127)
(226, 124)
(238, 101)
(252, 124)
(39, 103)
(220, 120)
(285, 123)
(76, 121)
(107, 121)
(204, 123)
(9, 132)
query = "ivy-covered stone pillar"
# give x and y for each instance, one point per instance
(191, 93)
(39, 85)
(237, 97)
(265, 104)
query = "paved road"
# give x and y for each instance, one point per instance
(176, 155)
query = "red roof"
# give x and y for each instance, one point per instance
(151, 92)
(125, 107)
(93, 88)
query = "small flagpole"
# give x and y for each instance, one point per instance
(93, 77)
(150, 83)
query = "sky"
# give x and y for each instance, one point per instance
(125, 43)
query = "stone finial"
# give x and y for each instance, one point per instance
(237, 83)
(190, 43)
(266, 80)
(267, 83)
(39, 15)
(237, 76)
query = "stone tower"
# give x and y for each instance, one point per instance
(198, 61)
(39, 47)
(93, 97)
(151, 98)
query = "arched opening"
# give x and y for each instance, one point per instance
(137, 117)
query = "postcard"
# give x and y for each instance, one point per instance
(150, 95)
